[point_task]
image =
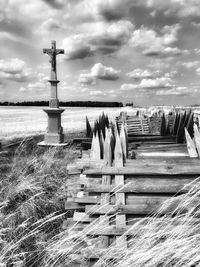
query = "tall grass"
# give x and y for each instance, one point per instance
(161, 240)
(32, 212)
(32, 206)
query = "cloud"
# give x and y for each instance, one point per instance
(190, 64)
(138, 74)
(164, 52)
(12, 66)
(96, 92)
(158, 83)
(179, 91)
(56, 3)
(110, 37)
(129, 87)
(76, 47)
(14, 69)
(197, 25)
(99, 71)
(182, 8)
(87, 78)
(48, 25)
(39, 85)
(162, 82)
(105, 38)
(153, 44)
(198, 71)
(105, 73)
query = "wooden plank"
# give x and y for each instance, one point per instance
(84, 163)
(141, 205)
(160, 154)
(86, 200)
(74, 206)
(144, 185)
(190, 145)
(82, 217)
(146, 169)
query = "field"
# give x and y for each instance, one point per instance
(24, 121)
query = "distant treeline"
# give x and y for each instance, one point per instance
(65, 104)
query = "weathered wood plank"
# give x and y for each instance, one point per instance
(160, 154)
(86, 200)
(81, 217)
(141, 205)
(144, 185)
(170, 169)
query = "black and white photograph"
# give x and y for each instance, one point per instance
(99, 133)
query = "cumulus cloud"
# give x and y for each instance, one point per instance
(190, 64)
(158, 83)
(138, 74)
(99, 71)
(96, 92)
(14, 69)
(76, 47)
(198, 71)
(106, 38)
(164, 52)
(37, 86)
(56, 3)
(183, 8)
(154, 44)
(48, 26)
(179, 91)
(87, 78)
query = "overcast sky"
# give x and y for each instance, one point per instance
(145, 51)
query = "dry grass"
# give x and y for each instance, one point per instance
(32, 212)
(169, 240)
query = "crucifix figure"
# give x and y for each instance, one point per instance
(53, 52)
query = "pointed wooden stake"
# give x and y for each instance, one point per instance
(95, 152)
(197, 138)
(190, 145)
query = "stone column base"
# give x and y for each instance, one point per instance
(53, 138)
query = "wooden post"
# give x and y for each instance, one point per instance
(106, 180)
(120, 197)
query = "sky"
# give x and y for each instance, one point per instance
(141, 51)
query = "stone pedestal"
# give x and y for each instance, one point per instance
(54, 134)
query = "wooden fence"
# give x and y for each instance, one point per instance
(128, 189)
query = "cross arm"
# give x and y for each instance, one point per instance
(47, 51)
(59, 51)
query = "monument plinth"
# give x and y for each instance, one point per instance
(54, 135)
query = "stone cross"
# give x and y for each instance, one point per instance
(53, 52)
